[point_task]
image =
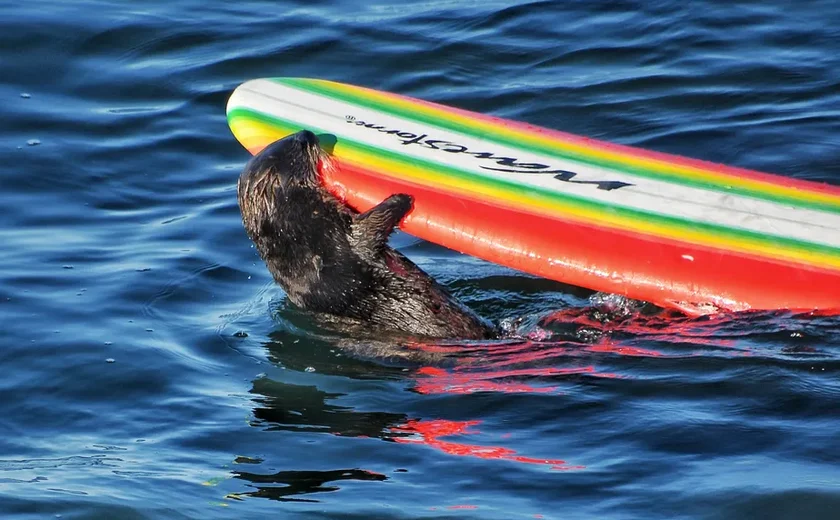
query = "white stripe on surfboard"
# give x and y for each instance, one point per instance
(648, 195)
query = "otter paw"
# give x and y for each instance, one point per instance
(401, 201)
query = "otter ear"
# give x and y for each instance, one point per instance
(371, 229)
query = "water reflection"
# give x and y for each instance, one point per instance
(431, 433)
(287, 407)
(280, 406)
(549, 353)
(283, 485)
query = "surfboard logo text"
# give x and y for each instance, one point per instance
(502, 164)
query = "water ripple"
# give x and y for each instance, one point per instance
(153, 370)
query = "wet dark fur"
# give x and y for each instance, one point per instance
(332, 260)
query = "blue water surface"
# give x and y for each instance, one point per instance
(152, 370)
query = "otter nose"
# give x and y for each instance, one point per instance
(306, 137)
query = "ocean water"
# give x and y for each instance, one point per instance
(151, 369)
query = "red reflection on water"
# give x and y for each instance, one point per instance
(613, 347)
(440, 381)
(429, 433)
(465, 506)
(676, 331)
(666, 327)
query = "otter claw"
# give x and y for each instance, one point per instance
(372, 228)
(403, 201)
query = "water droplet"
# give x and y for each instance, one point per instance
(33, 142)
(110, 360)
(309, 369)
(150, 330)
(26, 95)
(240, 334)
(506, 325)
(67, 267)
(108, 343)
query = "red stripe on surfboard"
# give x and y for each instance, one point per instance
(661, 271)
(628, 150)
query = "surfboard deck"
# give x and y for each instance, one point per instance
(678, 232)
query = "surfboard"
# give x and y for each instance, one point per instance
(678, 232)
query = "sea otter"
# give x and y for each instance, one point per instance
(334, 261)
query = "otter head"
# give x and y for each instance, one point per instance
(284, 164)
